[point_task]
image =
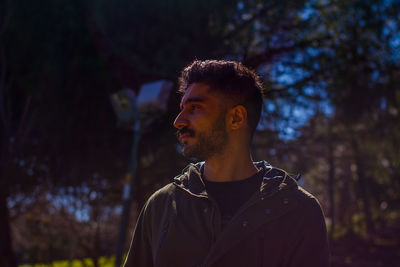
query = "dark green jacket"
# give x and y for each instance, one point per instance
(281, 225)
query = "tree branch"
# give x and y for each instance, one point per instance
(244, 23)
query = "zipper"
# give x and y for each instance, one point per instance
(212, 225)
(163, 233)
(214, 229)
(214, 209)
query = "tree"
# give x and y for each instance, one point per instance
(65, 58)
(351, 59)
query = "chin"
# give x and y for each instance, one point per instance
(187, 152)
(192, 155)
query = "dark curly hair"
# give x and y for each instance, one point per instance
(232, 79)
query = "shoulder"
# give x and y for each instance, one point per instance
(162, 195)
(158, 209)
(306, 198)
(309, 205)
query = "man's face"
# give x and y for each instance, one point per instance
(201, 123)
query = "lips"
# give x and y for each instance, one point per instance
(184, 133)
(184, 137)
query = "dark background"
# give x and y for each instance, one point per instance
(331, 72)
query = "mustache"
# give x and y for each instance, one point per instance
(183, 131)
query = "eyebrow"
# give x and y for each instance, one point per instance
(193, 100)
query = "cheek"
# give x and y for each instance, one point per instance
(201, 125)
(197, 120)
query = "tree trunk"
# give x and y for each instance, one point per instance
(7, 258)
(331, 162)
(363, 187)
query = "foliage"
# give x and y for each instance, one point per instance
(61, 154)
(87, 262)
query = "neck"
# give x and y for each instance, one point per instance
(229, 166)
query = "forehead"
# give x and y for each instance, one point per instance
(198, 92)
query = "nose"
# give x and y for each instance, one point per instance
(180, 121)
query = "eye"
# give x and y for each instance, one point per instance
(194, 107)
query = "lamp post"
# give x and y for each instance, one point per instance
(127, 108)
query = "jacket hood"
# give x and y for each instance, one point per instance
(274, 179)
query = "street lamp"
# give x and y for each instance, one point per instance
(127, 107)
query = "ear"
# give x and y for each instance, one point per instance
(237, 117)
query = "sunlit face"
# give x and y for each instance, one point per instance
(201, 123)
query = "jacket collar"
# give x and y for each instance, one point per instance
(274, 179)
(190, 180)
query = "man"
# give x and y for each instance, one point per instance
(227, 210)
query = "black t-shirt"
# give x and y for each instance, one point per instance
(230, 196)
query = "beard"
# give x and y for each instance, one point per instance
(208, 143)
